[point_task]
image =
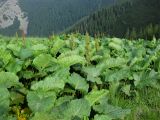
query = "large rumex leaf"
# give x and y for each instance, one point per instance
(93, 73)
(78, 83)
(4, 101)
(57, 46)
(111, 111)
(79, 107)
(39, 49)
(95, 96)
(14, 66)
(8, 80)
(102, 117)
(5, 56)
(43, 61)
(71, 60)
(76, 108)
(49, 83)
(41, 101)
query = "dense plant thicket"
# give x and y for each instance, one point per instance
(75, 77)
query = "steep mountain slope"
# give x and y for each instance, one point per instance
(136, 18)
(53, 16)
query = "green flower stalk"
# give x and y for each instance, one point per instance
(97, 46)
(16, 35)
(87, 48)
(72, 42)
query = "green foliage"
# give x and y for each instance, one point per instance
(78, 82)
(102, 117)
(43, 61)
(5, 56)
(41, 101)
(57, 46)
(111, 111)
(4, 98)
(38, 82)
(14, 66)
(25, 53)
(49, 83)
(95, 96)
(79, 108)
(8, 79)
(70, 60)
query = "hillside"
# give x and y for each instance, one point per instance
(136, 18)
(44, 17)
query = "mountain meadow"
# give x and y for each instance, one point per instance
(79, 59)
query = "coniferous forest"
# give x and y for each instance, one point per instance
(132, 19)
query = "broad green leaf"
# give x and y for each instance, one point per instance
(62, 73)
(39, 49)
(5, 56)
(93, 73)
(16, 98)
(25, 53)
(95, 96)
(94, 79)
(60, 112)
(78, 83)
(4, 101)
(148, 78)
(115, 46)
(116, 75)
(117, 41)
(6, 117)
(79, 107)
(113, 112)
(102, 117)
(68, 53)
(96, 57)
(27, 63)
(63, 99)
(43, 116)
(126, 89)
(8, 79)
(69, 110)
(41, 101)
(27, 74)
(43, 61)
(57, 46)
(115, 62)
(71, 60)
(49, 83)
(14, 48)
(137, 78)
(14, 66)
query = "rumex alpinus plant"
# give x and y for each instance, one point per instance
(87, 47)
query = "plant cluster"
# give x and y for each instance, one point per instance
(59, 80)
